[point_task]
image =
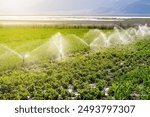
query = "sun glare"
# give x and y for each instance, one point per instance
(11, 6)
(17, 5)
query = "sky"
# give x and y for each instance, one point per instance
(74, 7)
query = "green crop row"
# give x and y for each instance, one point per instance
(110, 73)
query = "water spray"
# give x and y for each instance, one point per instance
(101, 40)
(24, 57)
(57, 40)
(81, 40)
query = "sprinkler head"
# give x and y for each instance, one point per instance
(26, 56)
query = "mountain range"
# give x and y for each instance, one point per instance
(138, 7)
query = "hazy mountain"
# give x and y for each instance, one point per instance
(134, 7)
(138, 7)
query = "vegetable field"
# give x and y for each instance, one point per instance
(33, 67)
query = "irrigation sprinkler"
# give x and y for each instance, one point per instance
(24, 57)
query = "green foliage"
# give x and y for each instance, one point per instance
(123, 71)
